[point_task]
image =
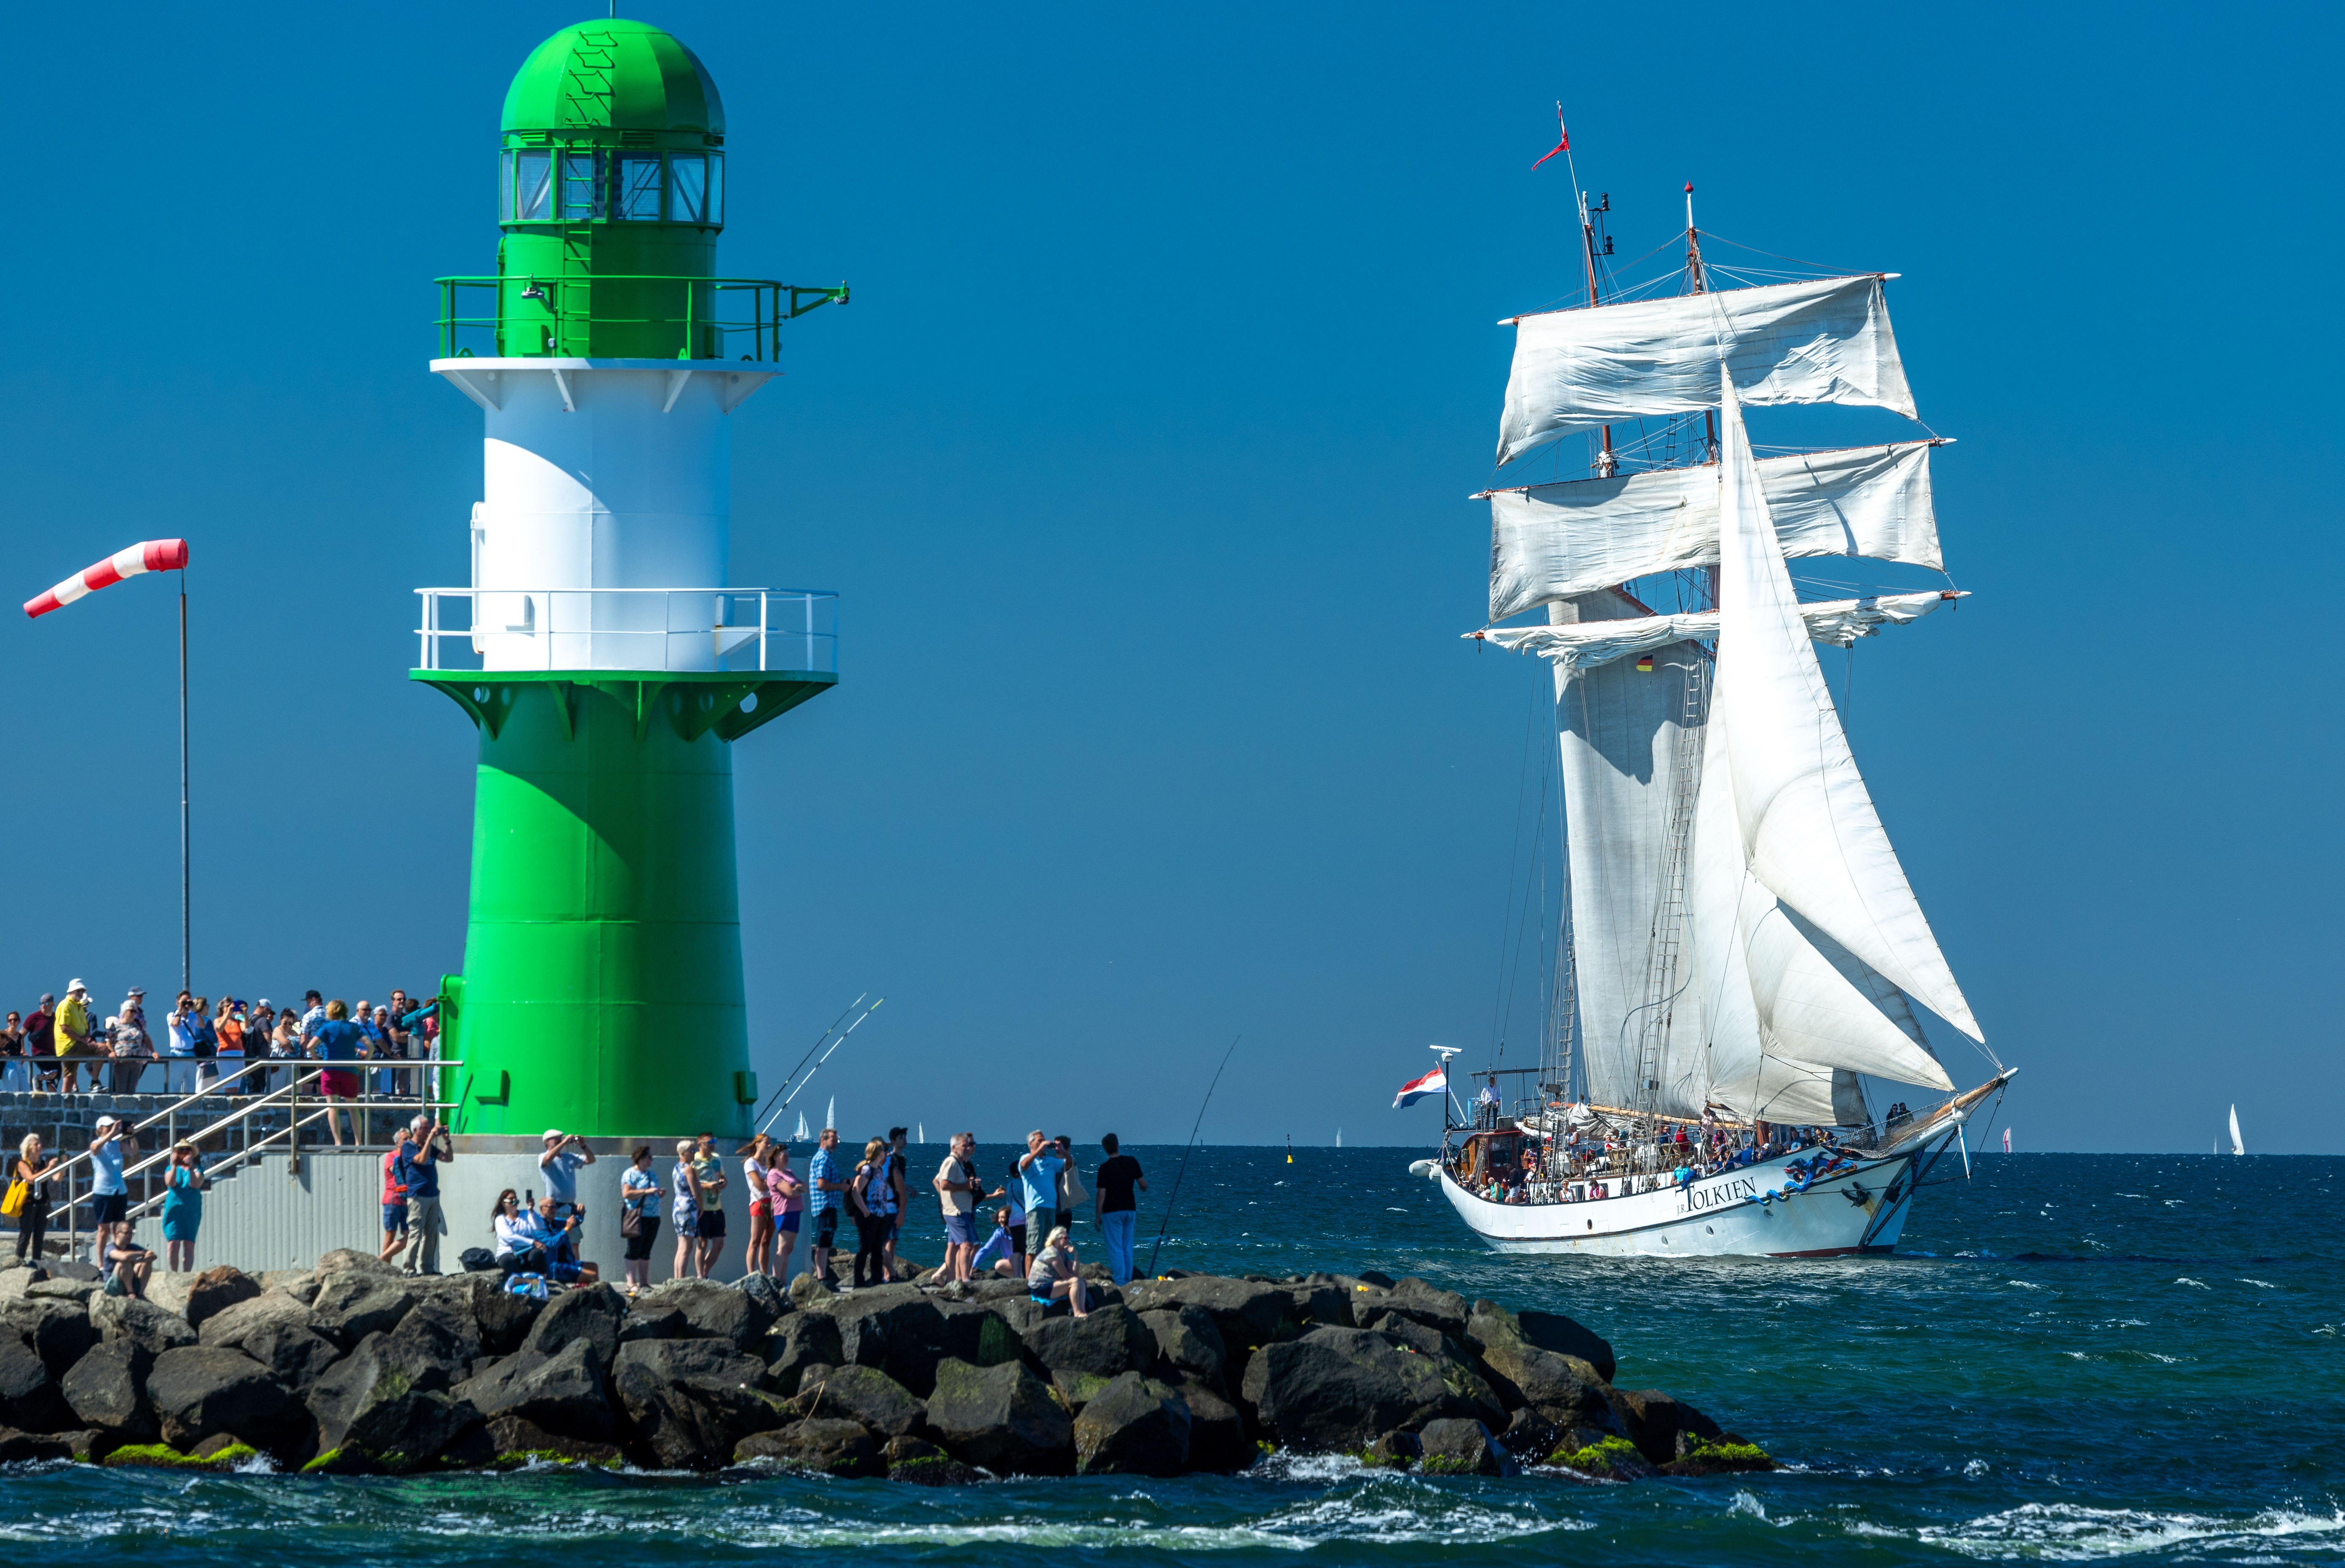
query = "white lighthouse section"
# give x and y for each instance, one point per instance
(602, 536)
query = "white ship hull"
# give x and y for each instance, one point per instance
(1857, 1210)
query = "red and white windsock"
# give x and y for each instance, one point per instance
(153, 555)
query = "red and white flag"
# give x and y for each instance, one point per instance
(1433, 1083)
(152, 555)
(1562, 138)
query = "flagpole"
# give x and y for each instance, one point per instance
(186, 965)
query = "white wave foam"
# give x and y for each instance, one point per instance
(2068, 1532)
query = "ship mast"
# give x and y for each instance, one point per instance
(1696, 283)
(1606, 463)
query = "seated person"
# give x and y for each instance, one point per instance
(1684, 1176)
(525, 1240)
(130, 1263)
(1053, 1277)
(1000, 1247)
(563, 1254)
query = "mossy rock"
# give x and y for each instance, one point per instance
(1443, 1464)
(1702, 1457)
(162, 1456)
(521, 1457)
(1613, 1459)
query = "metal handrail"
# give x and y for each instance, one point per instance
(551, 294)
(364, 1105)
(775, 625)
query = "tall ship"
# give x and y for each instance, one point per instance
(1733, 1010)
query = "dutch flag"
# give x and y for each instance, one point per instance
(1433, 1083)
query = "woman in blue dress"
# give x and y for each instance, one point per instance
(183, 1208)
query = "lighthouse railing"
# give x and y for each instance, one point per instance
(535, 318)
(672, 629)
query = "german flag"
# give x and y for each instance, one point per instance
(1645, 663)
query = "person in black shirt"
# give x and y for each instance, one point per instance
(1114, 1207)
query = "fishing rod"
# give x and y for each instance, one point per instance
(799, 1087)
(1177, 1175)
(793, 1073)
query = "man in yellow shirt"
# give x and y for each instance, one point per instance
(72, 1031)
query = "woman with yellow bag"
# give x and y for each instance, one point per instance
(28, 1196)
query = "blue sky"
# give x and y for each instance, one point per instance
(1140, 460)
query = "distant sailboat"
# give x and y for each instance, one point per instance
(802, 1134)
(831, 1115)
(2006, 1140)
(2236, 1146)
(1339, 1138)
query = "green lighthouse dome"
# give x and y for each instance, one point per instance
(594, 82)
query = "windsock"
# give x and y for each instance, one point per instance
(152, 555)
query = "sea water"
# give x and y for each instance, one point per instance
(2126, 1359)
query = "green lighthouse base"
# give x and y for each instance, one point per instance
(602, 991)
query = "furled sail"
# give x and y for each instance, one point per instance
(1589, 644)
(1551, 540)
(1620, 734)
(1810, 833)
(1823, 340)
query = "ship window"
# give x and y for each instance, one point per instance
(581, 186)
(639, 186)
(528, 186)
(688, 188)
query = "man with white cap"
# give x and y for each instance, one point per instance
(565, 1154)
(72, 1035)
(109, 1193)
(133, 1047)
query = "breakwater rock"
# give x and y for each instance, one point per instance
(350, 1368)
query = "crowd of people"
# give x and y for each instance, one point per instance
(232, 1045)
(1597, 1162)
(1032, 1236)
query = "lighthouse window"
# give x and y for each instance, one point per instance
(581, 188)
(715, 212)
(639, 186)
(688, 188)
(528, 186)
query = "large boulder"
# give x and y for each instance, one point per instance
(1652, 1421)
(713, 1312)
(354, 1302)
(227, 1329)
(592, 1314)
(803, 1339)
(917, 1463)
(867, 1395)
(766, 1292)
(1436, 1308)
(350, 1260)
(106, 1390)
(691, 1402)
(564, 1393)
(822, 1444)
(1324, 1303)
(77, 1291)
(141, 1323)
(896, 1328)
(1565, 1390)
(58, 1332)
(510, 1442)
(24, 1447)
(1187, 1343)
(1136, 1426)
(370, 1416)
(1217, 1431)
(1550, 1331)
(1246, 1313)
(1106, 1343)
(12, 1282)
(30, 1399)
(985, 1333)
(203, 1391)
(1455, 1445)
(1339, 1389)
(294, 1355)
(215, 1290)
(1003, 1418)
(434, 1345)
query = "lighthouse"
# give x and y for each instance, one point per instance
(605, 661)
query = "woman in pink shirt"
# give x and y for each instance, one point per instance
(789, 1195)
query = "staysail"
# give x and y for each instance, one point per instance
(1588, 644)
(1823, 341)
(1808, 831)
(1549, 541)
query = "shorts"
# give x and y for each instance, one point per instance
(1065, 1217)
(961, 1229)
(335, 1084)
(761, 1209)
(1038, 1232)
(787, 1221)
(639, 1245)
(111, 1208)
(712, 1225)
(825, 1227)
(394, 1219)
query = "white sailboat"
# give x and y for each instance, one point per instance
(2236, 1146)
(831, 1115)
(1740, 946)
(802, 1135)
